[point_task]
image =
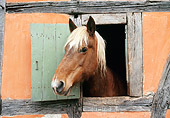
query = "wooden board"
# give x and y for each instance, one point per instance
(90, 7)
(47, 50)
(2, 21)
(117, 104)
(135, 54)
(36, 61)
(102, 19)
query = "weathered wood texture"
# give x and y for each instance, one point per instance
(81, 7)
(161, 100)
(117, 104)
(25, 107)
(135, 54)
(2, 4)
(73, 107)
(105, 18)
(76, 19)
(2, 20)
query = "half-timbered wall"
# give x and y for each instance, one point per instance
(16, 69)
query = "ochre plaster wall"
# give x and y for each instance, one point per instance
(156, 47)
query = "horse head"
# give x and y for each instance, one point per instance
(84, 54)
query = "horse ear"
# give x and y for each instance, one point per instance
(72, 26)
(91, 27)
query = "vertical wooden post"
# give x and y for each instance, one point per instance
(135, 54)
(161, 99)
(2, 20)
(74, 110)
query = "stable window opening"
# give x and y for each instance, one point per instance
(114, 35)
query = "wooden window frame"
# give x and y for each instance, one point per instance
(134, 60)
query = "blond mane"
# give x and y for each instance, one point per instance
(80, 35)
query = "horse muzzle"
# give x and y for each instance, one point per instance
(58, 88)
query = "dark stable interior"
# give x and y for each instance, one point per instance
(114, 35)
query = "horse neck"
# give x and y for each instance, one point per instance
(104, 85)
(97, 84)
(101, 78)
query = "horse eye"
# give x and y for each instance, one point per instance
(84, 49)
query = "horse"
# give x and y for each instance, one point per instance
(85, 61)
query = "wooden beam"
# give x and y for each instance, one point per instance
(115, 108)
(117, 104)
(26, 107)
(118, 101)
(135, 54)
(73, 107)
(2, 4)
(161, 100)
(2, 22)
(90, 7)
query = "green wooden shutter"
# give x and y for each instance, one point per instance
(47, 50)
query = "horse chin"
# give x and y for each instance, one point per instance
(65, 93)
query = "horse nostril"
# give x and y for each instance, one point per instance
(60, 87)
